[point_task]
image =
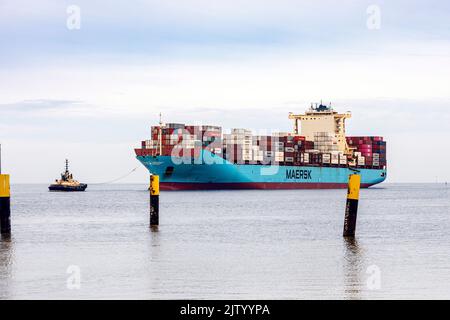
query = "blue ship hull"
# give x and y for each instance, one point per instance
(213, 172)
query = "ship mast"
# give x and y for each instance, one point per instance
(160, 134)
(65, 175)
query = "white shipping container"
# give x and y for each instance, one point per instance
(282, 134)
(361, 161)
(342, 159)
(322, 134)
(188, 145)
(335, 158)
(289, 159)
(269, 153)
(239, 141)
(244, 138)
(279, 154)
(241, 131)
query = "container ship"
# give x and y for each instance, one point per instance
(315, 155)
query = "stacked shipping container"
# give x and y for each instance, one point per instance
(325, 142)
(241, 146)
(369, 151)
(238, 145)
(180, 140)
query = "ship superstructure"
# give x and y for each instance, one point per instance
(322, 119)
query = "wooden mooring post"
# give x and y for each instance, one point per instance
(351, 208)
(154, 201)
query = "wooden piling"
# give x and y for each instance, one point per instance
(5, 205)
(154, 200)
(351, 208)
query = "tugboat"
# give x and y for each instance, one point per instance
(67, 183)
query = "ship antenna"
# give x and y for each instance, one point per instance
(0, 158)
(160, 133)
(67, 165)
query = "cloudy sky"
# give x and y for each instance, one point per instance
(91, 94)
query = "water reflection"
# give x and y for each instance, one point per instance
(353, 269)
(153, 275)
(6, 262)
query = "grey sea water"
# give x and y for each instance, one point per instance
(227, 244)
